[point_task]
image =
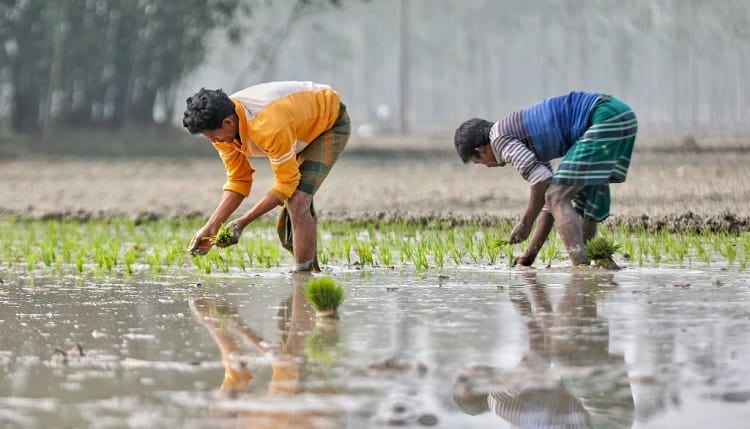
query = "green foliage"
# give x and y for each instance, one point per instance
(497, 243)
(223, 235)
(118, 246)
(106, 63)
(600, 247)
(324, 293)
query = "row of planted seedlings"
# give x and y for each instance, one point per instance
(127, 246)
(691, 248)
(423, 246)
(97, 246)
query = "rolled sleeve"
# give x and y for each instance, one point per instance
(540, 173)
(238, 168)
(286, 179)
(524, 161)
(281, 154)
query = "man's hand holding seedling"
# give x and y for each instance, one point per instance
(228, 234)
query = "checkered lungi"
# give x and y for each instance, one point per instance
(600, 157)
(317, 159)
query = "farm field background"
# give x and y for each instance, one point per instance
(668, 182)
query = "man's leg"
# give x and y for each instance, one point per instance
(319, 156)
(559, 200)
(304, 232)
(589, 229)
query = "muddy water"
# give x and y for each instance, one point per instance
(474, 348)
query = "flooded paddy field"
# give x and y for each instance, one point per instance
(471, 347)
(107, 325)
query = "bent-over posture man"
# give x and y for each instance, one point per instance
(301, 127)
(592, 133)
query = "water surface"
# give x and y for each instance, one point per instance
(471, 348)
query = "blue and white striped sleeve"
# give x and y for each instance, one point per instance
(525, 162)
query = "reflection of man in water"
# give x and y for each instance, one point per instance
(568, 379)
(296, 320)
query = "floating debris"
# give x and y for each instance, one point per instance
(61, 357)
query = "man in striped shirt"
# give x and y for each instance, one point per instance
(592, 133)
(301, 127)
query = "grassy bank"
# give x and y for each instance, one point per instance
(125, 247)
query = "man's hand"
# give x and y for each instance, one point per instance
(525, 260)
(201, 242)
(520, 233)
(230, 235)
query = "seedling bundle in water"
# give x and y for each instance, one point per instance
(600, 250)
(325, 295)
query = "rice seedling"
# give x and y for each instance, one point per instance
(30, 261)
(80, 259)
(347, 249)
(419, 259)
(549, 254)
(493, 247)
(323, 256)
(438, 256)
(497, 242)
(600, 250)
(47, 254)
(655, 251)
(364, 252)
(405, 251)
(385, 255)
(202, 264)
(728, 250)
(154, 261)
(325, 295)
(129, 258)
(457, 254)
(121, 245)
(223, 235)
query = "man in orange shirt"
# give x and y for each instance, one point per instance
(301, 127)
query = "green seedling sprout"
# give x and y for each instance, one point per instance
(119, 245)
(325, 295)
(600, 250)
(364, 251)
(497, 243)
(223, 235)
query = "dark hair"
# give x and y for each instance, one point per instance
(470, 135)
(206, 109)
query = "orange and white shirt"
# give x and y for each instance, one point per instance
(277, 120)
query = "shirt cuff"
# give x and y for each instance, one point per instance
(240, 188)
(278, 194)
(540, 173)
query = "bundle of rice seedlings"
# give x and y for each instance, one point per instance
(223, 234)
(325, 295)
(497, 243)
(600, 250)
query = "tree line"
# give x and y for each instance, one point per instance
(107, 63)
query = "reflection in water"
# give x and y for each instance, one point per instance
(568, 378)
(288, 361)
